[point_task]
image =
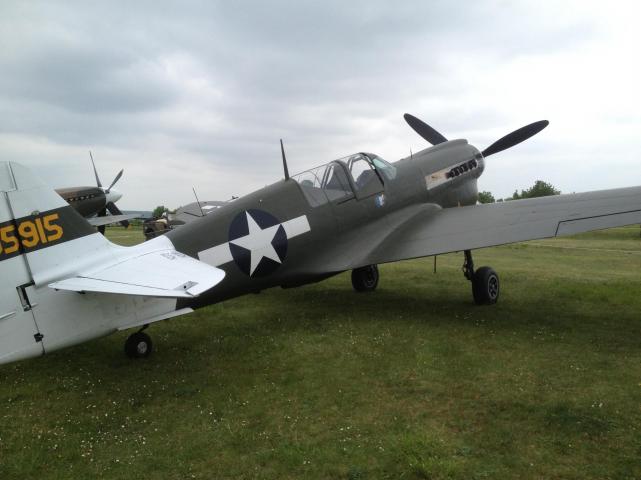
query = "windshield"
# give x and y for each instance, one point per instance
(383, 166)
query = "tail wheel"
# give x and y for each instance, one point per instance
(485, 286)
(365, 279)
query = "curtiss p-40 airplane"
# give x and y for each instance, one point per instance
(62, 283)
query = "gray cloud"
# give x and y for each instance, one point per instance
(199, 93)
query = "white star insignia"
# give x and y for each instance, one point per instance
(259, 242)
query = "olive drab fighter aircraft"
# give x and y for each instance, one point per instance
(62, 283)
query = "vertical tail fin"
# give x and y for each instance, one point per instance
(43, 227)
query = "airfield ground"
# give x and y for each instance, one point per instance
(412, 381)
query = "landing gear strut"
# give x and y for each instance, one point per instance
(365, 279)
(485, 281)
(138, 345)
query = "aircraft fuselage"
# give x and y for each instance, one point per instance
(281, 235)
(87, 201)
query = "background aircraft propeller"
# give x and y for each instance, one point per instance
(95, 172)
(509, 140)
(115, 180)
(110, 205)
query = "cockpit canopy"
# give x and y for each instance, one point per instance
(360, 174)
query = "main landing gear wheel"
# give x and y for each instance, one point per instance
(485, 286)
(365, 279)
(485, 282)
(138, 345)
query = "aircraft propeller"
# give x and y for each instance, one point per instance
(95, 172)
(115, 180)
(503, 143)
(111, 199)
(424, 130)
(98, 183)
(516, 137)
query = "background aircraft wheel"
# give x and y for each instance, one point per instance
(365, 279)
(485, 286)
(138, 345)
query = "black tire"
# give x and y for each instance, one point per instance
(138, 345)
(485, 286)
(365, 279)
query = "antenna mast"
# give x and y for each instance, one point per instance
(282, 151)
(198, 202)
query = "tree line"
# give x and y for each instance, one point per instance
(539, 189)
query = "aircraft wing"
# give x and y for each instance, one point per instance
(426, 230)
(109, 219)
(158, 273)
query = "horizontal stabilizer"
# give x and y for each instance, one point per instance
(160, 273)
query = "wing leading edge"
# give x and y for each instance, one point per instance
(430, 231)
(109, 219)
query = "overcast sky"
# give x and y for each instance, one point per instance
(184, 94)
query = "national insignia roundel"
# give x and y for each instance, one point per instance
(257, 242)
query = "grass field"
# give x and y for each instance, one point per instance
(412, 381)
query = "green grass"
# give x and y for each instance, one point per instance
(412, 381)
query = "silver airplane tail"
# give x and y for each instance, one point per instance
(62, 283)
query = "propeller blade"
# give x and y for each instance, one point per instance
(102, 213)
(111, 206)
(516, 137)
(424, 130)
(116, 211)
(94, 170)
(115, 180)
